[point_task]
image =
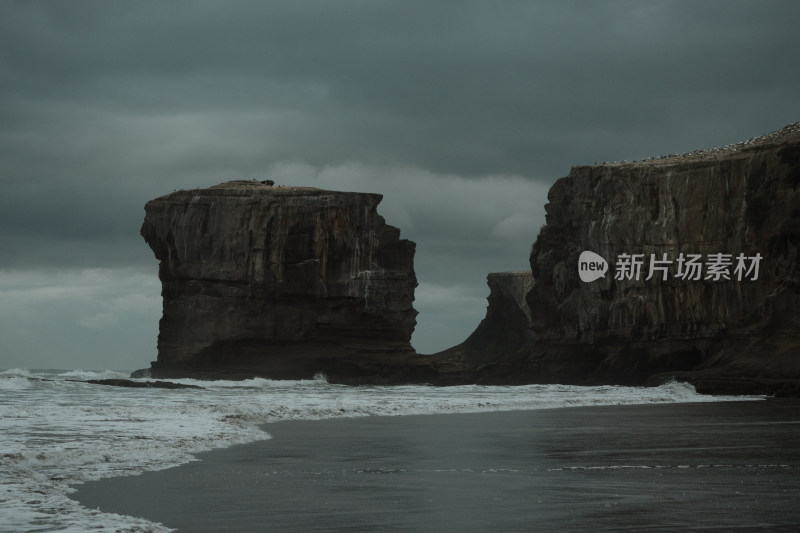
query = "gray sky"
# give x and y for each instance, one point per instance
(461, 113)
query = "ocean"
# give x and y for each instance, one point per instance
(56, 431)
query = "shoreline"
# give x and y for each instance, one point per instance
(645, 466)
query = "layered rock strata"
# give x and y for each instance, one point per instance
(728, 329)
(282, 282)
(505, 329)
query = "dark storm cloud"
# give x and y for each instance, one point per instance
(107, 104)
(467, 87)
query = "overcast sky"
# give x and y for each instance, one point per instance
(461, 113)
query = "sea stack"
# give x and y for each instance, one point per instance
(505, 329)
(282, 282)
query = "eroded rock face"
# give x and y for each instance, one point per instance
(281, 282)
(743, 199)
(505, 329)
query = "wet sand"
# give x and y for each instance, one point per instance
(678, 467)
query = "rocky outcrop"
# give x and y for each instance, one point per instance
(505, 329)
(117, 382)
(282, 282)
(702, 281)
(729, 330)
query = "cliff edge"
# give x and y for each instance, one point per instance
(282, 282)
(702, 279)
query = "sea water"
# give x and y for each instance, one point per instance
(56, 430)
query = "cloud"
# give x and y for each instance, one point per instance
(516, 226)
(90, 318)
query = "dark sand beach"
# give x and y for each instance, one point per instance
(727, 466)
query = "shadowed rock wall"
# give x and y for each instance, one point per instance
(720, 334)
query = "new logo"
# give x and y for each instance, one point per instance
(686, 266)
(591, 266)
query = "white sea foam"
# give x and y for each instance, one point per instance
(90, 374)
(15, 373)
(57, 431)
(13, 382)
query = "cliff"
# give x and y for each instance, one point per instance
(682, 267)
(711, 319)
(505, 329)
(282, 282)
